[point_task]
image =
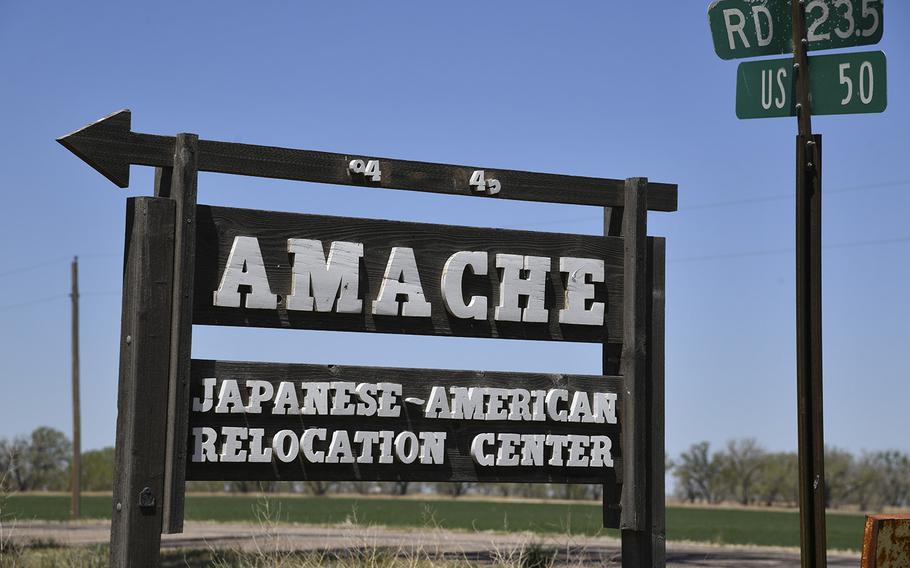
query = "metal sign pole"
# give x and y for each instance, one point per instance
(808, 311)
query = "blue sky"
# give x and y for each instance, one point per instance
(611, 89)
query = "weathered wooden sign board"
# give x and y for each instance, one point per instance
(181, 419)
(273, 421)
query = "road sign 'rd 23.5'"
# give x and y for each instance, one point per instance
(845, 83)
(751, 28)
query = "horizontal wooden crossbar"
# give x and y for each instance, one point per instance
(110, 146)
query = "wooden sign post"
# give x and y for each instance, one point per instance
(186, 264)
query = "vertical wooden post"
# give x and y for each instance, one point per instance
(142, 394)
(642, 516)
(810, 405)
(656, 491)
(182, 190)
(633, 366)
(77, 420)
(611, 367)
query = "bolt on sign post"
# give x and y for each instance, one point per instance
(188, 263)
(843, 83)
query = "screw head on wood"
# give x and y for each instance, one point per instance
(119, 507)
(799, 107)
(796, 66)
(129, 339)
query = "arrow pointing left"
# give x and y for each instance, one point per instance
(109, 146)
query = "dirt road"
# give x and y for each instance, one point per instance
(573, 550)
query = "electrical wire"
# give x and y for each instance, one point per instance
(787, 250)
(735, 202)
(32, 302)
(61, 259)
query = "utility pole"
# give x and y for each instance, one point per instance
(77, 445)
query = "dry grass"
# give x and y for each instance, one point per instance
(272, 550)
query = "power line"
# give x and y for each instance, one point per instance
(32, 302)
(56, 297)
(34, 266)
(735, 202)
(59, 260)
(787, 250)
(779, 196)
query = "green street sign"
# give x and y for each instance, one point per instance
(844, 83)
(751, 28)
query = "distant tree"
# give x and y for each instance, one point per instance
(895, 481)
(14, 463)
(698, 474)
(318, 488)
(777, 479)
(7, 461)
(840, 480)
(866, 482)
(741, 465)
(453, 488)
(98, 470)
(39, 462)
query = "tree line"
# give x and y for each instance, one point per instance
(741, 471)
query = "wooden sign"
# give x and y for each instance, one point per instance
(269, 421)
(186, 264)
(268, 269)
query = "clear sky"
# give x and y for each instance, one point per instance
(611, 89)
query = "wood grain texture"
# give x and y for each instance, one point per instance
(110, 146)
(142, 394)
(328, 167)
(458, 466)
(432, 244)
(611, 356)
(656, 401)
(634, 351)
(182, 189)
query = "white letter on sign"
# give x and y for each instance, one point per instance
(477, 449)
(452, 277)
(756, 12)
(316, 281)
(204, 404)
(579, 290)
(204, 445)
(513, 286)
(401, 278)
(735, 28)
(245, 268)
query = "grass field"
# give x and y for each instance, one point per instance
(717, 525)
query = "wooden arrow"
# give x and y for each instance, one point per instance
(110, 146)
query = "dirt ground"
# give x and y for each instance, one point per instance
(573, 550)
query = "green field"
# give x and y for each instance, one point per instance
(717, 525)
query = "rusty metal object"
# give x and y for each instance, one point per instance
(886, 543)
